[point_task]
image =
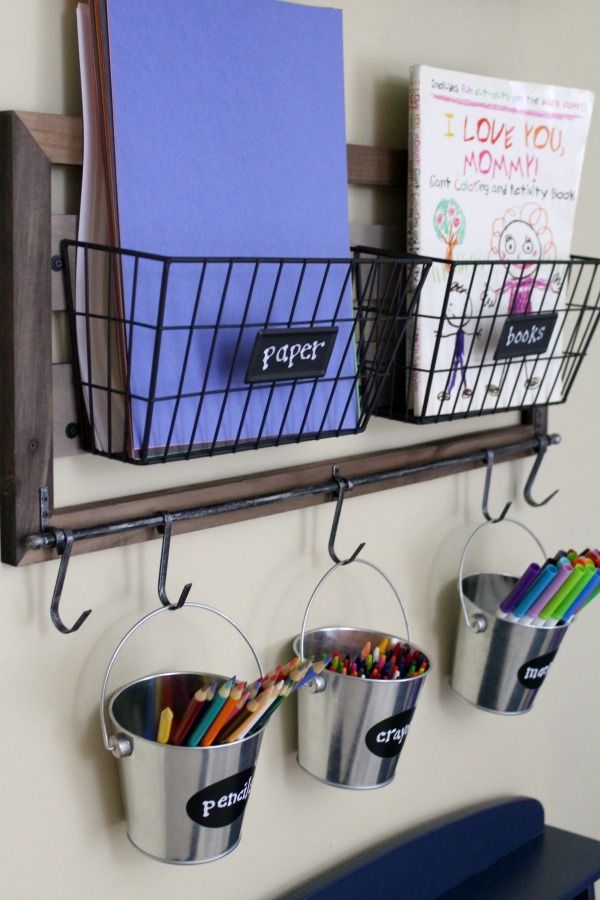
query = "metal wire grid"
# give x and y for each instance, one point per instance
(123, 318)
(439, 387)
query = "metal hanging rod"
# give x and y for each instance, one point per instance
(57, 537)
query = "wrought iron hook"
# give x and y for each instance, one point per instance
(343, 486)
(486, 490)
(543, 446)
(65, 555)
(164, 562)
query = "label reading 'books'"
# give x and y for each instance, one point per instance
(525, 335)
(532, 673)
(387, 737)
(281, 354)
(221, 803)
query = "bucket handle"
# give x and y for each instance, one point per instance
(322, 581)
(119, 744)
(479, 621)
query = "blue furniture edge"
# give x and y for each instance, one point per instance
(498, 850)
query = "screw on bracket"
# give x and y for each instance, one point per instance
(56, 263)
(72, 430)
(44, 508)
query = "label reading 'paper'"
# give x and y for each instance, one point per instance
(532, 673)
(387, 737)
(221, 803)
(525, 335)
(281, 354)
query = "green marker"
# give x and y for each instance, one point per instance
(588, 574)
(570, 585)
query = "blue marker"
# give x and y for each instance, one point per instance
(538, 587)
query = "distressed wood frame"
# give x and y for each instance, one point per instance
(30, 144)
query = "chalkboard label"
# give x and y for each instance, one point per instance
(525, 335)
(387, 737)
(221, 803)
(532, 674)
(281, 354)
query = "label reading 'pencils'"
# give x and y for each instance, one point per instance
(387, 737)
(532, 673)
(221, 803)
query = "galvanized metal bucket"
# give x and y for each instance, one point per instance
(351, 730)
(499, 666)
(182, 804)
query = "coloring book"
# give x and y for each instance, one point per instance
(494, 173)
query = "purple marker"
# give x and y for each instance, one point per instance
(559, 579)
(524, 582)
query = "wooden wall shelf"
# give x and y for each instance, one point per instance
(30, 144)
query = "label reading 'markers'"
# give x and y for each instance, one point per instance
(221, 803)
(387, 737)
(532, 673)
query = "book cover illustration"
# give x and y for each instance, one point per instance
(494, 173)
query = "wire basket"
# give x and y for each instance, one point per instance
(177, 358)
(489, 337)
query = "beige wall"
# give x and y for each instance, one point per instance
(63, 834)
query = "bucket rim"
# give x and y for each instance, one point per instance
(138, 737)
(497, 618)
(370, 681)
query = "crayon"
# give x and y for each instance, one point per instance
(164, 725)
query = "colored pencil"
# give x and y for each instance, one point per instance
(225, 713)
(209, 714)
(194, 708)
(256, 709)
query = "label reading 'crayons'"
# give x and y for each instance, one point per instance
(221, 803)
(387, 737)
(532, 673)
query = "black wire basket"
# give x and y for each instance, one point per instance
(177, 358)
(490, 337)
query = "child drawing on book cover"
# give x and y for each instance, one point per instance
(522, 239)
(449, 224)
(455, 324)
